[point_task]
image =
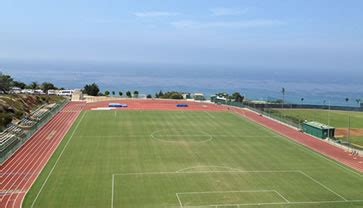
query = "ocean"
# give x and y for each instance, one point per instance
(314, 85)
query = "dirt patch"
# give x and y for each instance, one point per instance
(353, 131)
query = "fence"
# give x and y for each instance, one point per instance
(30, 131)
(273, 111)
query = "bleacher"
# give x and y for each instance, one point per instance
(10, 137)
(15, 134)
(39, 114)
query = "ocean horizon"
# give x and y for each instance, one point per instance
(331, 86)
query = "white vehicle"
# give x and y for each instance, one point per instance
(39, 92)
(65, 92)
(27, 91)
(52, 92)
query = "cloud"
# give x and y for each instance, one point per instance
(227, 25)
(155, 14)
(222, 11)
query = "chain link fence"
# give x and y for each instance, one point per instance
(348, 121)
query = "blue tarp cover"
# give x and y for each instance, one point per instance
(117, 105)
(181, 105)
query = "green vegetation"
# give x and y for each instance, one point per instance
(128, 94)
(159, 159)
(235, 97)
(338, 119)
(91, 89)
(169, 95)
(13, 107)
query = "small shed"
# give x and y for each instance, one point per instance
(319, 130)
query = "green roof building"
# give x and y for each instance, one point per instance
(318, 129)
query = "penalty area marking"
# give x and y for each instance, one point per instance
(226, 192)
(344, 200)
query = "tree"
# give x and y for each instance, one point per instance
(302, 100)
(113, 93)
(21, 85)
(91, 89)
(161, 94)
(5, 82)
(358, 101)
(128, 94)
(136, 93)
(33, 85)
(172, 95)
(107, 93)
(346, 99)
(120, 93)
(283, 96)
(149, 96)
(47, 86)
(237, 97)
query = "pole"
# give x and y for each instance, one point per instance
(329, 120)
(349, 130)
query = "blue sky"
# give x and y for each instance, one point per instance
(312, 34)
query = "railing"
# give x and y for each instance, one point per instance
(28, 133)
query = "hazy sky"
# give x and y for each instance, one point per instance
(324, 34)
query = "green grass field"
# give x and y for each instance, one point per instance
(338, 119)
(165, 159)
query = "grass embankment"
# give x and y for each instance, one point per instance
(13, 107)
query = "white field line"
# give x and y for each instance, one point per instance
(327, 188)
(25, 161)
(278, 193)
(207, 166)
(224, 192)
(180, 203)
(56, 162)
(252, 171)
(141, 135)
(212, 171)
(277, 203)
(42, 163)
(113, 188)
(305, 148)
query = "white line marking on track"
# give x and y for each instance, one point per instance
(56, 162)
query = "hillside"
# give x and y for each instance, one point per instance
(13, 107)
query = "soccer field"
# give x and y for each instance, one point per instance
(165, 159)
(338, 119)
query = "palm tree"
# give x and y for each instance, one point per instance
(113, 93)
(120, 93)
(302, 100)
(283, 96)
(358, 101)
(346, 100)
(33, 85)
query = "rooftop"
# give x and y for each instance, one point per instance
(318, 125)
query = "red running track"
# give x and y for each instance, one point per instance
(157, 104)
(20, 171)
(313, 143)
